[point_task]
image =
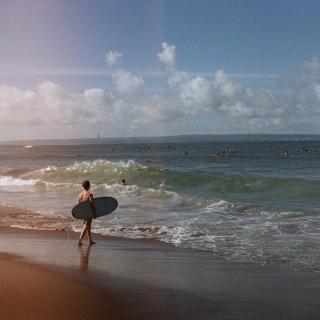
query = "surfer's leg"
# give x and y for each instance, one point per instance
(89, 232)
(83, 233)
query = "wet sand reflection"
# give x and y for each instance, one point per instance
(84, 257)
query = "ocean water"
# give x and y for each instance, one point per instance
(254, 206)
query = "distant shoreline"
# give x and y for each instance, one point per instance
(183, 138)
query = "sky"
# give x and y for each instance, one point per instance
(73, 69)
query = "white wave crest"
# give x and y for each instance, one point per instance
(93, 170)
(158, 196)
(90, 165)
(219, 205)
(10, 181)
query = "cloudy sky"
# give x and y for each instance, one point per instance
(144, 68)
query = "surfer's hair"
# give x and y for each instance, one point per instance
(86, 184)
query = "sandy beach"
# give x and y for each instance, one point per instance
(44, 275)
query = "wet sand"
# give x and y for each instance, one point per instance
(46, 276)
(30, 292)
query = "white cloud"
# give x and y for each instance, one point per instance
(196, 95)
(222, 95)
(50, 104)
(313, 65)
(304, 90)
(219, 94)
(113, 57)
(140, 112)
(126, 82)
(178, 77)
(168, 55)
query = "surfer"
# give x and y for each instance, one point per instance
(84, 196)
(124, 182)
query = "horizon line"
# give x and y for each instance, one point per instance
(157, 136)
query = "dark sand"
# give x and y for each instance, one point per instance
(51, 278)
(30, 292)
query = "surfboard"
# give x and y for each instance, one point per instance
(104, 206)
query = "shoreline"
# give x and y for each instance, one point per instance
(75, 234)
(7, 211)
(145, 279)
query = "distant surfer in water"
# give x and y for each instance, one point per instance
(124, 182)
(84, 196)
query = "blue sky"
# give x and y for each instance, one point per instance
(237, 66)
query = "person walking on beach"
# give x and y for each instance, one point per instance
(84, 196)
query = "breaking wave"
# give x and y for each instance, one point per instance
(106, 172)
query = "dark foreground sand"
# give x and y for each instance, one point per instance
(44, 275)
(30, 292)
